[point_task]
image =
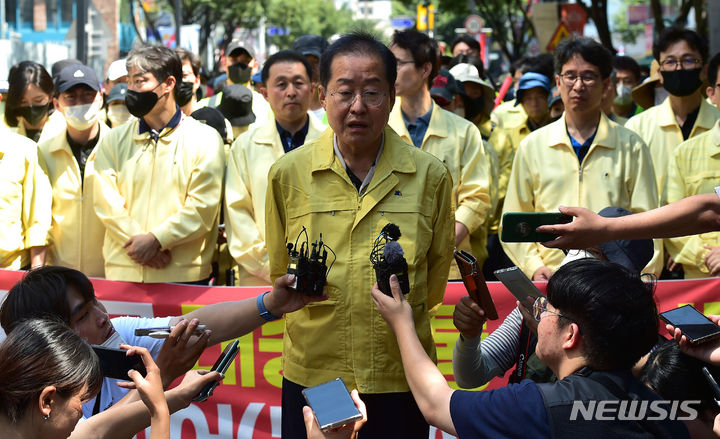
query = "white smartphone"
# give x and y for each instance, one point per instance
(518, 284)
(332, 404)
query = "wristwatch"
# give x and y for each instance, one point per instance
(264, 313)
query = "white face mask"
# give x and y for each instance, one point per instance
(83, 117)
(114, 341)
(118, 115)
(574, 255)
(623, 95)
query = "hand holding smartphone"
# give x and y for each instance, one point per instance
(332, 404)
(694, 325)
(221, 365)
(164, 331)
(115, 363)
(520, 226)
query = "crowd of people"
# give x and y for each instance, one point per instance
(158, 175)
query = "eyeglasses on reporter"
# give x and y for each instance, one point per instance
(587, 79)
(540, 307)
(685, 63)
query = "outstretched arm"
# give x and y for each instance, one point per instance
(429, 388)
(689, 216)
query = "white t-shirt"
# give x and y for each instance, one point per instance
(125, 327)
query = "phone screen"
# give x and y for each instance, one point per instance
(518, 283)
(332, 404)
(115, 363)
(694, 325)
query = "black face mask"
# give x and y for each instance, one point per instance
(33, 114)
(239, 73)
(184, 93)
(140, 103)
(473, 107)
(681, 82)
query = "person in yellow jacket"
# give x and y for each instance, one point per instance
(158, 181)
(694, 169)
(581, 159)
(347, 185)
(287, 86)
(25, 201)
(29, 102)
(681, 54)
(449, 137)
(76, 235)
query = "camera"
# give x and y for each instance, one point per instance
(309, 265)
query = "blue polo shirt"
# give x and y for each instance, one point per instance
(418, 128)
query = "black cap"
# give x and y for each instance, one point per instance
(212, 117)
(444, 88)
(633, 254)
(310, 45)
(236, 105)
(238, 45)
(117, 93)
(73, 75)
(59, 65)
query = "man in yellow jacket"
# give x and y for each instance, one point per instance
(451, 138)
(347, 185)
(158, 181)
(287, 86)
(682, 53)
(694, 169)
(581, 159)
(77, 234)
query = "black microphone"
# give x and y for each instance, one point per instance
(390, 261)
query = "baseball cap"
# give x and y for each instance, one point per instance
(257, 77)
(310, 44)
(444, 88)
(73, 75)
(59, 65)
(212, 117)
(117, 93)
(633, 254)
(236, 105)
(554, 96)
(117, 69)
(531, 80)
(238, 45)
(465, 72)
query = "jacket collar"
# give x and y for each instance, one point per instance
(392, 159)
(60, 143)
(605, 137)
(167, 135)
(438, 122)
(705, 119)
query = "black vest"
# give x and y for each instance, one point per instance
(591, 387)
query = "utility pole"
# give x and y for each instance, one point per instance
(178, 21)
(80, 34)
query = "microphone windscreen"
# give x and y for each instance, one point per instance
(393, 252)
(392, 231)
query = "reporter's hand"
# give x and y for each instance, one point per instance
(712, 260)
(468, 317)
(194, 381)
(181, 350)
(708, 352)
(542, 274)
(528, 317)
(395, 310)
(150, 386)
(349, 431)
(283, 299)
(586, 230)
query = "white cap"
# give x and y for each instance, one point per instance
(117, 69)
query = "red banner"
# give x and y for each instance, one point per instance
(247, 405)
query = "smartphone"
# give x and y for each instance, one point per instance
(518, 284)
(693, 324)
(332, 404)
(164, 331)
(115, 363)
(520, 226)
(713, 384)
(221, 365)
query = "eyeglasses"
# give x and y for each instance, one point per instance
(540, 307)
(369, 98)
(588, 79)
(686, 63)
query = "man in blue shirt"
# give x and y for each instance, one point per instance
(595, 323)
